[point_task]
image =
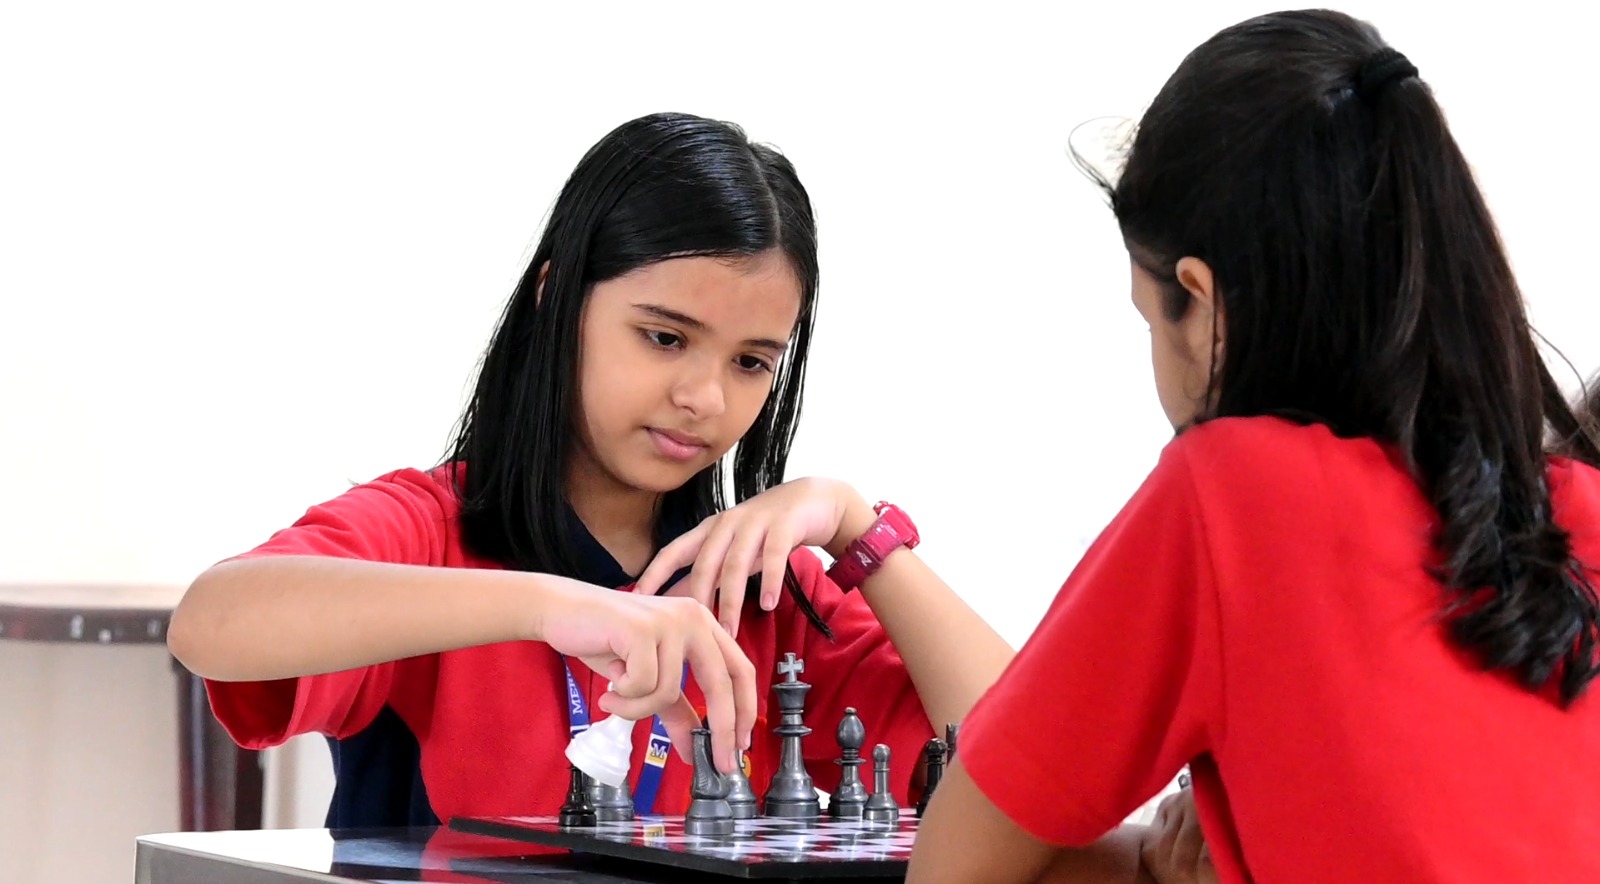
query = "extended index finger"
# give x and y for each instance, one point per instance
(727, 682)
(742, 676)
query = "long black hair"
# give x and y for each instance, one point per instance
(1586, 405)
(1363, 286)
(662, 186)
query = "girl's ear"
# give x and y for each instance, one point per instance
(1202, 325)
(1193, 274)
(538, 290)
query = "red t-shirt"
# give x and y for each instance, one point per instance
(491, 722)
(1260, 610)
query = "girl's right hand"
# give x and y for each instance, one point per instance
(641, 643)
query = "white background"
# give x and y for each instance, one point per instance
(250, 253)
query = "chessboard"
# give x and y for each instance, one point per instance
(760, 848)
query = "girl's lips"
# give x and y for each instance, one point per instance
(677, 446)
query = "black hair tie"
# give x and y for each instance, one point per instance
(1382, 68)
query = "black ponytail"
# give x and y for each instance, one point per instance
(1364, 284)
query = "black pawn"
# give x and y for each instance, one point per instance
(848, 801)
(612, 804)
(933, 755)
(741, 798)
(951, 731)
(577, 812)
(881, 807)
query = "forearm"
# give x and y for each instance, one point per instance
(965, 838)
(928, 622)
(280, 617)
(1114, 859)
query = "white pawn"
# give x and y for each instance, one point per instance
(604, 751)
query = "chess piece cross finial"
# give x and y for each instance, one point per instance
(791, 667)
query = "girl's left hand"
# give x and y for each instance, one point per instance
(1175, 851)
(757, 536)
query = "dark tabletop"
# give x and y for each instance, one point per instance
(374, 855)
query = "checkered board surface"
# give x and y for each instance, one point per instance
(765, 847)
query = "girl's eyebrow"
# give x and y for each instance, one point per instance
(691, 323)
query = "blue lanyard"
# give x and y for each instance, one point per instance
(655, 756)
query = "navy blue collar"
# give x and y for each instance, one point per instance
(595, 563)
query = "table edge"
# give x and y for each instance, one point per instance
(144, 844)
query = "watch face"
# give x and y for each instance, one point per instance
(897, 521)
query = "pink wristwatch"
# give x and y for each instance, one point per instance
(892, 530)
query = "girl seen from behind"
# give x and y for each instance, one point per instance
(1356, 595)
